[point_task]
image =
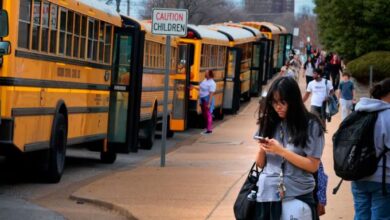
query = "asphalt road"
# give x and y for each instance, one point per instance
(24, 196)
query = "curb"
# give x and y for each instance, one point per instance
(110, 206)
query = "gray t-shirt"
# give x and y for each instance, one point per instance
(297, 181)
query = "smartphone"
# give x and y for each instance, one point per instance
(260, 138)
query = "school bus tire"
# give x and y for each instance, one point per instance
(57, 152)
(150, 130)
(247, 96)
(219, 114)
(107, 157)
(170, 133)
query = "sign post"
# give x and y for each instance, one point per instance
(168, 22)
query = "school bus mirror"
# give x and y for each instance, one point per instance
(5, 48)
(3, 23)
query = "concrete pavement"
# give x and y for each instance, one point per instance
(201, 179)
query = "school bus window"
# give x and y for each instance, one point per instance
(62, 31)
(95, 40)
(146, 54)
(24, 24)
(215, 56)
(173, 58)
(155, 61)
(69, 34)
(162, 56)
(156, 47)
(157, 64)
(203, 56)
(211, 56)
(36, 24)
(90, 39)
(76, 38)
(45, 27)
(83, 37)
(53, 27)
(153, 54)
(107, 43)
(101, 41)
(221, 56)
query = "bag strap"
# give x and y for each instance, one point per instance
(383, 154)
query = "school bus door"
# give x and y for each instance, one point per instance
(178, 119)
(259, 74)
(232, 91)
(123, 109)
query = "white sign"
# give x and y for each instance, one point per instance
(296, 32)
(169, 21)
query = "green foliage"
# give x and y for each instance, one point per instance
(360, 67)
(353, 28)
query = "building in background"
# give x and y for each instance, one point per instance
(277, 11)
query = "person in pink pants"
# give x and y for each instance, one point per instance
(206, 92)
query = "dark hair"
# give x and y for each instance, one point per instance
(211, 74)
(297, 117)
(381, 89)
(318, 71)
(346, 74)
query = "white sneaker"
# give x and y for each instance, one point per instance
(206, 132)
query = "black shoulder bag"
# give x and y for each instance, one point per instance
(244, 206)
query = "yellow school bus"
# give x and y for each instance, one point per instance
(281, 37)
(153, 75)
(71, 75)
(257, 55)
(238, 74)
(202, 49)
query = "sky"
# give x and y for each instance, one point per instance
(301, 3)
(136, 5)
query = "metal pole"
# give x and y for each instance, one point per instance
(128, 7)
(165, 113)
(371, 76)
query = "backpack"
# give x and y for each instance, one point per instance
(354, 152)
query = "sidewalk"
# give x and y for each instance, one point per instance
(201, 180)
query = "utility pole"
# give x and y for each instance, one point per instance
(128, 7)
(118, 3)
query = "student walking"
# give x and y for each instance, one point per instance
(346, 95)
(320, 89)
(370, 202)
(289, 154)
(309, 69)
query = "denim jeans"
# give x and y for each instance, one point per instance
(369, 201)
(345, 108)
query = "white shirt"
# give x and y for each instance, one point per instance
(318, 91)
(290, 73)
(207, 86)
(309, 70)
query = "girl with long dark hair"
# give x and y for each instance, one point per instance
(289, 155)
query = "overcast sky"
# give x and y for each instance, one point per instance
(301, 3)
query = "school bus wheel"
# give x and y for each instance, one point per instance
(170, 133)
(57, 152)
(219, 114)
(107, 157)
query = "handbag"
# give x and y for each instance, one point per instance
(244, 206)
(332, 104)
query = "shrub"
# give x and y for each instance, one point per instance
(360, 67)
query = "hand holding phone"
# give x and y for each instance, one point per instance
(260, 139)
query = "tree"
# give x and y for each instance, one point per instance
(307, 24)
(199, 11)
(353, 28)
